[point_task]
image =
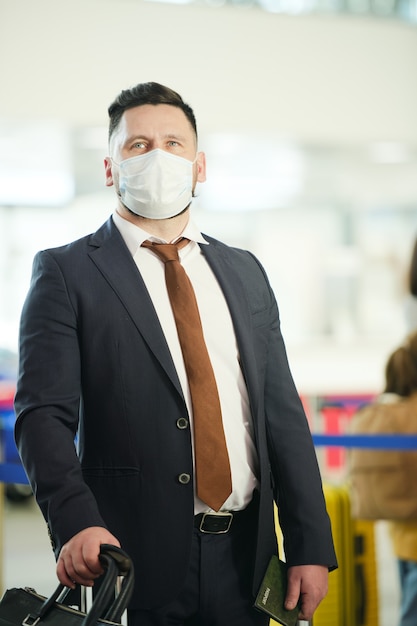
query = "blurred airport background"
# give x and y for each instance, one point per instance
(308, 119)
(307, 113)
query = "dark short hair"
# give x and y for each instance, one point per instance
(147, 93)
(401, 368)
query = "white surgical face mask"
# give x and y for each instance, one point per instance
(157, 185)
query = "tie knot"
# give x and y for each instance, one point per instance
(165, 251)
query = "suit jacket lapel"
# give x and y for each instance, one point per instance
(236, 298)
(111, 256)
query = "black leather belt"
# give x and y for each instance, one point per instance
(217, 523)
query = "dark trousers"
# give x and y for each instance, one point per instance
(217, 590)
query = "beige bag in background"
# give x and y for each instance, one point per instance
(383, 483)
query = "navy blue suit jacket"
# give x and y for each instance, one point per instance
(93, 356)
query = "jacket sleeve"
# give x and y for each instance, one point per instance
(47, 404)
(297, 482)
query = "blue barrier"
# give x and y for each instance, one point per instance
(384, 441)
(11, 470)
(13, 473)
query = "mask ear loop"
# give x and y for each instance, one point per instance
(193, 194)
(118, 194)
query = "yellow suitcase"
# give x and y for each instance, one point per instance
(352, 599)
(338, 606)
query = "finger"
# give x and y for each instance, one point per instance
(293, 593)
(62, 575)
(90, 563)
(75, 571)
(307, 607)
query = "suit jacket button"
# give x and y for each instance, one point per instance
(184, 479)
(182, 423)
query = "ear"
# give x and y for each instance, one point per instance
(108, 171)
(201, 167)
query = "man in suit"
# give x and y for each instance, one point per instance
(100, 354)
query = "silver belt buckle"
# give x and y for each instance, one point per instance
(220, 514)
(30, 620)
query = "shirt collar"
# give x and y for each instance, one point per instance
(134, 236)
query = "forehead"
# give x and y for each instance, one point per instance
(154, 120)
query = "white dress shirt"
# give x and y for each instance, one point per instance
(221, 344)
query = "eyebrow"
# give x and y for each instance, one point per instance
(170, 135)
(174, 136)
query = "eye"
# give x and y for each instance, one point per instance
(173, 144)
(140, 145)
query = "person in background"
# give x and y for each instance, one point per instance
(401, 380)
(384, 483)
(410, 303)
(103, 353)
(413, 271)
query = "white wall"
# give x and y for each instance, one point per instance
(327, 78)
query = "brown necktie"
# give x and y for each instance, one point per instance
(212, 468)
